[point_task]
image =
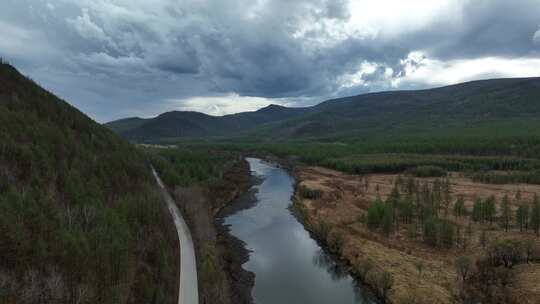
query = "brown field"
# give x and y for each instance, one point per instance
(425, 274)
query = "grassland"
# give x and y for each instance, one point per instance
(421, 272)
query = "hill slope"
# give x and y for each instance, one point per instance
(194, 124)
(80, 221)
(496, 106)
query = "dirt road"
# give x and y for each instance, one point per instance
(188, 290)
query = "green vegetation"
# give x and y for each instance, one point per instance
(484, 210)
(80, 220)
(478, 158)
(202, 180)
(507, 177)
(417, 204)
(189, 165)
(427, 171)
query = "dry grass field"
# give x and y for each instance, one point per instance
(421, 274)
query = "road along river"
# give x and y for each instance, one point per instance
(188, 292)
(289, 266)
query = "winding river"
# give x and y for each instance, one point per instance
(289, 266)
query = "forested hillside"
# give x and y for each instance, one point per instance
(496, 107)
(177, 124)
(80, 219)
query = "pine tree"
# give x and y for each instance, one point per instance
(521, 217)
(506, 213)
(526, 211)
(375, 213)
(430, 231)
(478, 210)
(388, 220)
(490, 207)
(459, 207)
(447, 233)
(535, 215)
(393, 201)
(410, 187)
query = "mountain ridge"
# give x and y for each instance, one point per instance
(469, 104)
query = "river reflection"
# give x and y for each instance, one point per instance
(288, 264)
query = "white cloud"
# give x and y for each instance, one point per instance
(434, 72)
(221, 105)
(356, 79)
(394, 17)
(382, 19)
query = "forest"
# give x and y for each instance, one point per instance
(80, 218)
(490, 159)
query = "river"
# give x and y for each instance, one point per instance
(289, 266)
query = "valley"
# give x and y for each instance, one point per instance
(425, 196)
(453, 205)
(269, 152)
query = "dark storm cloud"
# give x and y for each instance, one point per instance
(115, 58)
(486, 28)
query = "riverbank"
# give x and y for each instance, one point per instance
(234, 249)
(290, 266)
(219, 255)
(333, 206)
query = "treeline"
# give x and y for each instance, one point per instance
(397, 163)
(80, 221)
(362, 158)
(509, 177)
(336, 147)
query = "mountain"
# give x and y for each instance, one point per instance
(491, 104)
(193, 124)
(80, 218)
(497, 106)
(123, 125)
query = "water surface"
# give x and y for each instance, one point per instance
(289, 266)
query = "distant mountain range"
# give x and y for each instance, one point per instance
(498, 106)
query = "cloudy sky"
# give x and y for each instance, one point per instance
(119, 58)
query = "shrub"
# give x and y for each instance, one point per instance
(506, 253)
(375, 214)
(313, 194)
